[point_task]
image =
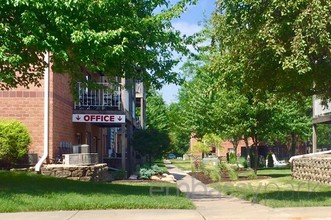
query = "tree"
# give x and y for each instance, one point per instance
(195, 100)
(274, 46)
(323, 135)
(207, 142)
(151, 142)
(211, 106)
(118, 38)
(179, 134)
(292, 121)
(156, 111)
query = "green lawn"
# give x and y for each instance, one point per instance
(32, 192)
(183, 164)
(279, 190)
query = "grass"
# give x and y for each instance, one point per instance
(279, 190)
(183, 164)
(31, 192)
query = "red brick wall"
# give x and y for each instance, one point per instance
(61, 104)
(26, 105)
(226, 145)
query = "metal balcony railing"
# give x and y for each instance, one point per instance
(106, 98)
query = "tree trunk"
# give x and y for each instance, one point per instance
(293, 144)
(256, 156)
(150, 159)
(235, 146)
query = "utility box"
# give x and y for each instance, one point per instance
(81, 159)
(76, 149)
(84, 148)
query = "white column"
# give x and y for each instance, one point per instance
(314, 138)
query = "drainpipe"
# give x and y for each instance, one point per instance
(46, 112)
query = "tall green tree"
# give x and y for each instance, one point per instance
(151, 142)
(213, 103)
(179, 134)
(156, 111)
(324, 135)
(207, 142)
(118, 38)
(154, 141)
(276, 46)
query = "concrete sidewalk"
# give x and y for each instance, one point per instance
(209, 202)
(213, 205)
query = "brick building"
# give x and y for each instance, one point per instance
(107, 117)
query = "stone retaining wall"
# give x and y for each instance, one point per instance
(97, 172)
(315, 168)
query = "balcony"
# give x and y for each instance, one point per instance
(107, 97)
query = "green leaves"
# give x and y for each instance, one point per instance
(279, 46)
(14, 141)
(114, 36)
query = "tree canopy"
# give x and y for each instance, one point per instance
(276, 46)
(156, 111)
(118, 38)
(211, 102)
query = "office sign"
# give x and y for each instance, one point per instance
(98, 118)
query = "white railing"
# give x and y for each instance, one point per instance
(108, 97)
(309, 155)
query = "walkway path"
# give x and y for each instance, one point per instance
(211, 205)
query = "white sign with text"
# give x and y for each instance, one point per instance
(98, 118)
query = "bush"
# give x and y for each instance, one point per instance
(243, 162)
(233, 175)
(212, 171)
(119, 175)
(252, 175)
(229, 170)
(146, 172)
(14, 142)
(232, 158)
(158, 170)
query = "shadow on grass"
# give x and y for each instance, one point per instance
(283, 198)
(37, 185)
(276, 175)
(274, 172)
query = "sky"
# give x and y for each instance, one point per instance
(189, 23)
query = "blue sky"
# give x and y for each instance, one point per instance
(189, 23)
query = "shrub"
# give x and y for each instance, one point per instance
(146, 172)
(233, 175)
(252, 175)
(14, 141)
(197, 164)
(158, 170)
(212, 171)
(230, 170)
(232, 158)
(119, 175)
(270, 160)
(243, 162)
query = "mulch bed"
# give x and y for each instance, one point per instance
(224, 178)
